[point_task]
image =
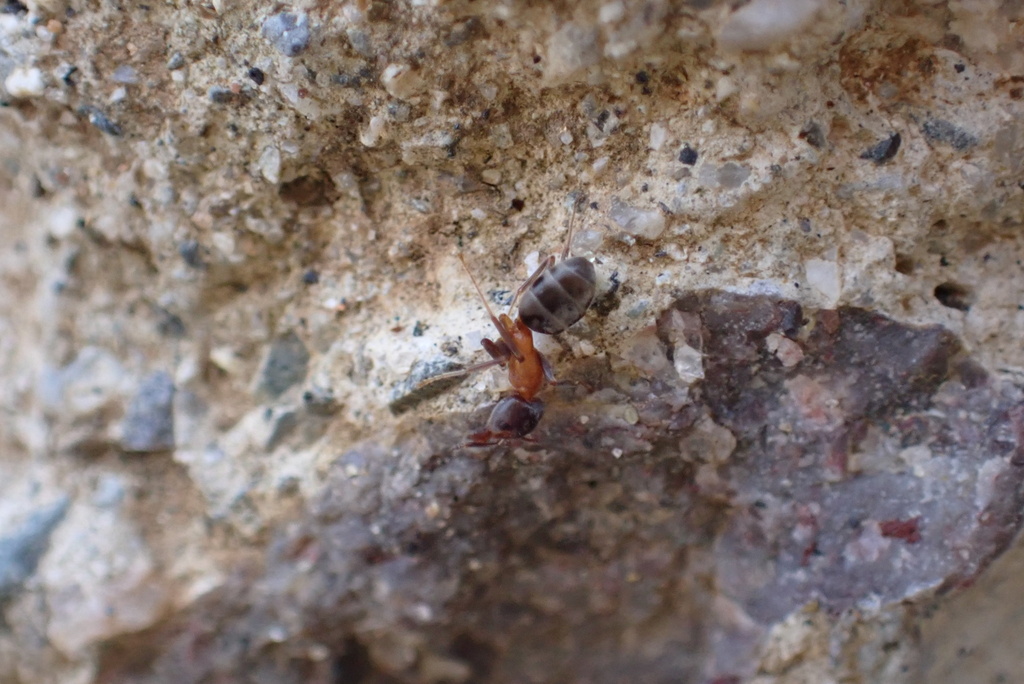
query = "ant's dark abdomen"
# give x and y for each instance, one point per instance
(515, 417)
(559, 297)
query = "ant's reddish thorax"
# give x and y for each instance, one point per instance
(526, 376)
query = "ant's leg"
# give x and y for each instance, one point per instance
(544, 265)
(499, 351)
(489, 438)
(506, 335)
(549, 371)
(462, 371)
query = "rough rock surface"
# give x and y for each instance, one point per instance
(789, 427)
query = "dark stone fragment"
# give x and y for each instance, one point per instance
(353, 664)
(69, 76)
(171, 325)
(286, 365)
(954, 296)
(311, 277)
(642, 77)
(21, 549)
(227, 96)
(191, 253)
(320, 401)
(417, 388)
(813, 134)
(884, 150)
(346, 80)
(314, 190)
(98, 119)
(688, 155)
(148, 425)
(256, 75)
(942, 131)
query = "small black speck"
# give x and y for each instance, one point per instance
(959, 68)
(602, 118)
(311, 277)
(688, 155)
(644, 188)
(943, 261)
(256, 75)
(171, 325)
(346, 80)
(417, 330)
(884, 150)
(500, 297)
(536, 59)
(813, 134)
(68, 77)
(518, 204)
(642, 77)
(191, 253)
(593, 205)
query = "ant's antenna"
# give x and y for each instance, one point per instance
(568, 238)
(478, 290)
(502, 330)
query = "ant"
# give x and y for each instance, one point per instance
(550, 301)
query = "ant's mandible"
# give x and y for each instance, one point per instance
(551, 300)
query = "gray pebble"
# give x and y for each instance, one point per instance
(21, 551)
(223, 95)
(288, 32)
(940, 130)
(884, 150)
(149, 423)
(415, 388)
(285, 366)
(284, 426)
(731, 175)
(98, 119)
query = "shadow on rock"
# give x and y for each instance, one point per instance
(743, 459)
